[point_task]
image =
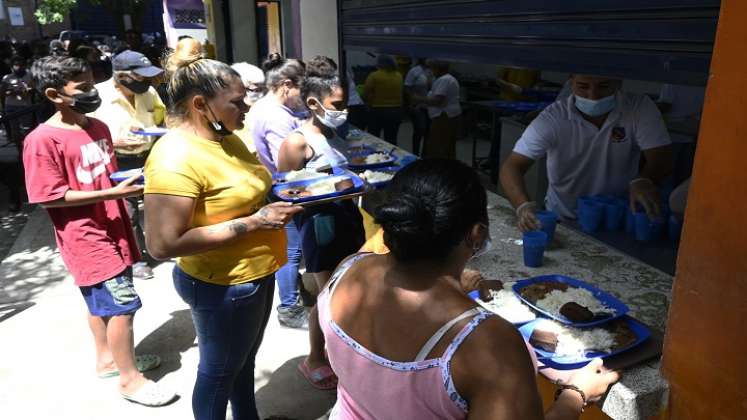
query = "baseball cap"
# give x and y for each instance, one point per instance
(129, 60)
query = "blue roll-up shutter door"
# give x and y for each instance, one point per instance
(660, 40)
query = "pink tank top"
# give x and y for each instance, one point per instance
(372, 387)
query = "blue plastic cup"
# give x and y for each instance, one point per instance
(675, 228)
(659, 227)
(614, 216)
(591, 215)
(644, 227)
(629, 221)
(535, 243)
(549, 220)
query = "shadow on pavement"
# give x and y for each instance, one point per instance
(289, 395)
(169, 341)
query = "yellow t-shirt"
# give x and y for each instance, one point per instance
(227, 181)
(383, 89)
(375, 243)
(119, 114)
(525, 78)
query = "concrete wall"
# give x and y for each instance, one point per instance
(319, 28)
(244, 30)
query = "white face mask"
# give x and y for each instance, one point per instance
(331, 118)
(486, 246)
(596, 108)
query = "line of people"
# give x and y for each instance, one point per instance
(206, 205)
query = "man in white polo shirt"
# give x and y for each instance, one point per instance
(593, 141)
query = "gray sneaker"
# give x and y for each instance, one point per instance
(142, 271)
(293, 316)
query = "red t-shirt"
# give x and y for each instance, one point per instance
(95, 240)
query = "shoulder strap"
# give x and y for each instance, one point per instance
(435, 338)
(342, 269)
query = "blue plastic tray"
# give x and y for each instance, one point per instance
(279, 177)
(389, 162)
(607, 299)
(390, 169)
(574, 362)
(120, 176)
(154, 131)
(358, 185)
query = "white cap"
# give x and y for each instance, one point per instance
(250, 74)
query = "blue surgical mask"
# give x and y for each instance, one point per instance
(597, 108)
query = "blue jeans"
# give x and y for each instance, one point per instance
(288, 277)
(230, 322)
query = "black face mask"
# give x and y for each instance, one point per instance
(137, 86)
(217, 126)
(20, 72)
(86, 102)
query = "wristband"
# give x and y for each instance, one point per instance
(564, 387)
(523, 206)
(639, 179)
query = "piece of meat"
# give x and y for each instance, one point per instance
(624, 336)
(544, 340)
(485, 286)
(537, 291)
(295, 193)
(344, 184)
(576, 313)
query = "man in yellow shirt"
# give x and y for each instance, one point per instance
(128, 101)
(383, 94)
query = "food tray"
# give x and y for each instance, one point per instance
(120, 176)
(358, 185)
(363, 166)
(153, 131)
(388, 169)
(279, 177)
(607, 299)
(355, 134)
(574, 362)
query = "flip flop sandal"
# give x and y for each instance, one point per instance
(151, 395)
(144, 363)
(318, 375)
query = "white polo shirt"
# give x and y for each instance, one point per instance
(447, 86)
(585, 160)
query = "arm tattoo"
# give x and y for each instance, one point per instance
(235, 226)
(238, 227)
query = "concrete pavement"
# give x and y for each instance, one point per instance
(47, 355)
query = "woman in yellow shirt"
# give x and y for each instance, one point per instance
(383, 94)
(205, 199)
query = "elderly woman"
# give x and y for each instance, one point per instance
(205, 202)
(379, 314)
(383, 94)
(253, 79)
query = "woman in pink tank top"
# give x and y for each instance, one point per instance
(402, 337)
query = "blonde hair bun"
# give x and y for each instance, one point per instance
(187, 51)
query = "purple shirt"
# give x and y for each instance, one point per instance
(271, 123)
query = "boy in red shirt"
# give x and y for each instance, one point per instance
(68, 161)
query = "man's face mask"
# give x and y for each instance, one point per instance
(137, 86)
(84, 102)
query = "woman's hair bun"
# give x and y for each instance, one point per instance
(187, 51)
(274, 60)
(406, 216)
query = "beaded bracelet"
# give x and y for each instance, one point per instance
(563, 387)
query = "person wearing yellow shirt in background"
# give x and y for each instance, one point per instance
(253, 79)
(128, 101)
(205, 203)
(514, 80)
(383, 94)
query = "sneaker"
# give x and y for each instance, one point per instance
(293, 316)
(142, 271)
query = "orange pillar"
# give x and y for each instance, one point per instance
(705, 349)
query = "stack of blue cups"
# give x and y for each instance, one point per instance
(548, 220)
(590, 214)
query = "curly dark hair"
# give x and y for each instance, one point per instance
(55, 71)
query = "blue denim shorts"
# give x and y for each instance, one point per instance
(116, 296)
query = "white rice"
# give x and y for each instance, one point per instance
(302, 174)
(576, 342)
(377, 157)
(376, 176)
(508, 306)
(325, 186)
(553, 301)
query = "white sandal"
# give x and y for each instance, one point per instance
(151, 395)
